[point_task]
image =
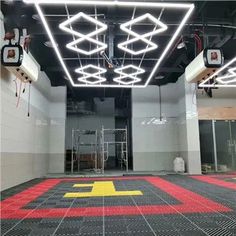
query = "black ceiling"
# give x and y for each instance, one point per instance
(211, 21)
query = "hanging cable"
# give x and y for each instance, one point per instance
(160, 102)
(18, 100)
(73, 36)
(95, 13)
(29, 99)
(199, 43)
(24, 88)
(15, 86)
(128, 37)
(150, 38)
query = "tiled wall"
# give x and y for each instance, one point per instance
(57, 130)
(27, 143)
(154, 145)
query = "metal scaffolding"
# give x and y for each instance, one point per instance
(114, 141)
(84, 142)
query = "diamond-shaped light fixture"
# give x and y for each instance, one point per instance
(184, 9)
(131, 76)
(88, 75)
(150, 46)
(74, 46)
(100, 27)
(126, 27)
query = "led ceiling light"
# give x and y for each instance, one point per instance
(66, 25)
(74, 46)
(126, 27)
(129, 24)
(228, 80)
(185, 10)
(110, 3)
(150, 46)
(131, 76)
(87, 75)
(100, 27)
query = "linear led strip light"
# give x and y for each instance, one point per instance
(100, 27)
(131, 76)
(230, 76)
(87, 75)
(74, 46)
(144, 5)
(126, 27)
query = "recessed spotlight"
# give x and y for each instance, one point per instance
(49, 44)
(66, 78)
(181, 45)
(36, 17)
(159, 77)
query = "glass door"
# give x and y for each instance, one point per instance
(218, 145)
(225, 133)
(207, 146)
(233, 144)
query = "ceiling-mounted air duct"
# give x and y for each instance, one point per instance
(81, 107)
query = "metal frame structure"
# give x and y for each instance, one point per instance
(76, 147)
(120, 140)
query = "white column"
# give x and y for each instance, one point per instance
(188, 126)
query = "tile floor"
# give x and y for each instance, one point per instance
(170, 205)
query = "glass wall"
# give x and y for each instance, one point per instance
(207, 145)
(218, 145)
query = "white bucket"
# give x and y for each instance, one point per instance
(179, 164)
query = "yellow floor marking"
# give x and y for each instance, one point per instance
(101, 189)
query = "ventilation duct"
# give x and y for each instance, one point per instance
(81, 107)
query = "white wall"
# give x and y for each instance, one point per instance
(154, 146)
(31, 146)
(24, 140)
(57, 115)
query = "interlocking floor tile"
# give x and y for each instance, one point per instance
(170, 205)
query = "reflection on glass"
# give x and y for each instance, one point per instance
(233, 143)
(207, 146)
(226, 145)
